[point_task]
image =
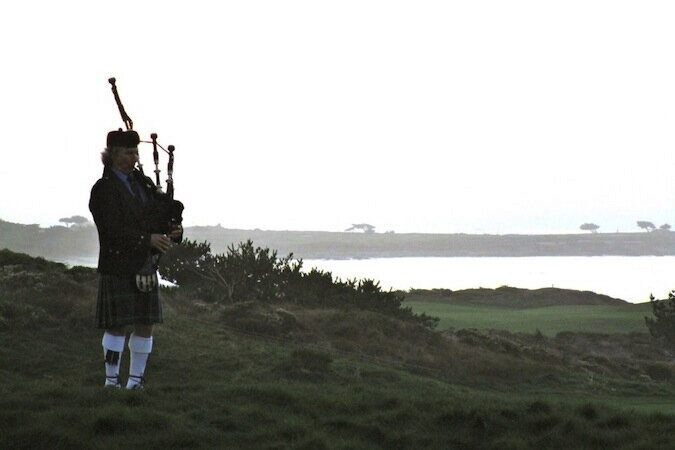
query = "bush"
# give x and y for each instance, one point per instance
(662, 325)
(246, 273)
(242, 273)
(186, 265)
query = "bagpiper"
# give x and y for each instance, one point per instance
(130, 216)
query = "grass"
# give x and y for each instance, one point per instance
(273, 375)
(549, 320)
(210, 387)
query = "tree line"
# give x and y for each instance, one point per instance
(642, 224)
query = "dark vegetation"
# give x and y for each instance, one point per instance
(513, 297)
(593, 228)
(646, 225)
(258, 366)
(246, 272)
(662, 325)
(75, 221)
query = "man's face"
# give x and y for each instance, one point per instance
(126, 159)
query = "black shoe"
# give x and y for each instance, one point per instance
(140, 385)
(113, 382)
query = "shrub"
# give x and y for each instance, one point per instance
(246, 273)
(188, 265)
(662, 325)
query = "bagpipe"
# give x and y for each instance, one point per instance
(167, 212)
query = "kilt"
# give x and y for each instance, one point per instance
(120, 303)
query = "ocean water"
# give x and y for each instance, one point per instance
(631, 278)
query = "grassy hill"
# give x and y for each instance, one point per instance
(281, 375)
(515, 298)
(549, 320)
(548, 310)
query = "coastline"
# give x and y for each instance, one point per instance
(61, 242)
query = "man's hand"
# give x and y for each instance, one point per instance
(160, 242)
(177, 232)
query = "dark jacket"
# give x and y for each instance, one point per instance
(124, 224)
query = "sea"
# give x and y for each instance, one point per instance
(630, 278)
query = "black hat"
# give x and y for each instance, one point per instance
(121, 138)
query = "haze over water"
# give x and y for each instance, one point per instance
(629, 278)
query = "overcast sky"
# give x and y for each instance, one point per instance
(416, 116)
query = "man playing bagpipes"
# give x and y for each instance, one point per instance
(136, 223)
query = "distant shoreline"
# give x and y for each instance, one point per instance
(82, 242)
(336, 245)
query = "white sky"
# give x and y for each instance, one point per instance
(470, 116)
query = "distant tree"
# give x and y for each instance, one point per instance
(365, 227)
(662, 325)
(593, 228)
(74, 220)
(647, 226)
(664, 227)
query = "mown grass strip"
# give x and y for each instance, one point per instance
(549, 320)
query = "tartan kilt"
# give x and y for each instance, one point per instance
(120, 303)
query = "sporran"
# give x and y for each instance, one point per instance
(146, 278)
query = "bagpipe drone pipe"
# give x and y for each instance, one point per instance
(167, 213)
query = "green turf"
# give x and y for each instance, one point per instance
(549, 320)
(211, 388)
(228, 376)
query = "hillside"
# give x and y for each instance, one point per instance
(284, 375)
(510, 297)
(549, 310)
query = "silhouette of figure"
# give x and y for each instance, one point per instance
(122, 203)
